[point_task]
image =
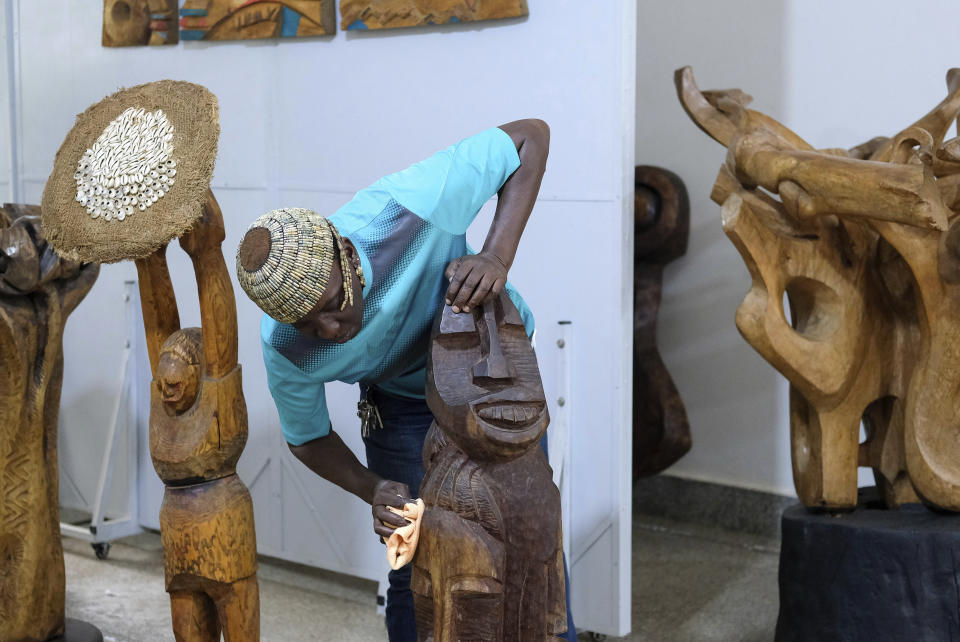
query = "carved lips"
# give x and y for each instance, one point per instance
(510, 415)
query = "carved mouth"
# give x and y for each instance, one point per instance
(511, 415)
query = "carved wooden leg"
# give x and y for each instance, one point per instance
(825, 449)
(884, 451)
(239, 607)
(194, 617)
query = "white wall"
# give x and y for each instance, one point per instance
(837, 73)
(307, 123)
(5, 76)
(733, 398)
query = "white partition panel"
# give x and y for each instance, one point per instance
(307, 123)
(7, 76)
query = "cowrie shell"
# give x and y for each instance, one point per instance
(129, 157)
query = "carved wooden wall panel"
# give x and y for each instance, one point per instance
(390, 14)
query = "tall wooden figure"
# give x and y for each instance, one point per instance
(131, 175)
(198, 428)
(38, 291)
(489, 564)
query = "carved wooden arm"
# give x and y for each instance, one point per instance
(218, 309)
(158, 302)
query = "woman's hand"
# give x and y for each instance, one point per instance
(389, 493)
(474, 279)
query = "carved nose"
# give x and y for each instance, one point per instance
(494, 364)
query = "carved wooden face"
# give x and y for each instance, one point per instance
(483, 384)
(180, 370)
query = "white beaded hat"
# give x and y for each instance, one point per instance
(296, 271)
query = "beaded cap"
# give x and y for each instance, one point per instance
(296, 271)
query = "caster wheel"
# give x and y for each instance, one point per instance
(597, 636)
(101, 550)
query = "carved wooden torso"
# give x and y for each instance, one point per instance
(205, 442)
(489, 564)
(207, 514)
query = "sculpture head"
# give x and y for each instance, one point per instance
(27, 261)
(483, 384)
(180, 370)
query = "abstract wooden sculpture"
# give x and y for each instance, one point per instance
(198, 428)
(38, 291)
(489, 563)
(865, 243)
(661, 433)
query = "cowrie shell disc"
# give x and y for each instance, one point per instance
(131, 154)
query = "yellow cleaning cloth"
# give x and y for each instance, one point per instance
(402, 544)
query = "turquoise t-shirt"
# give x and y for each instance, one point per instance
(406, 227)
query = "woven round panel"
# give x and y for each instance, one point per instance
(133, 173)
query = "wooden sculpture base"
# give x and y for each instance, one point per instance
(77, 631)
(871, 574)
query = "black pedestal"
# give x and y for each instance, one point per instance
(77, 631)
(871, 575)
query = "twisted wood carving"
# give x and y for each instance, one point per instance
(198, 428)
(38, 291)
(489, 564)
(865, 243)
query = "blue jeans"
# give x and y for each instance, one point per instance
(394, 452)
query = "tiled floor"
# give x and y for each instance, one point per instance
(690, 583)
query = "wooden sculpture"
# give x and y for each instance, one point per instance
(866, 245)
(198, 428)
(360, 15)
(139, 22)
(489, 562)
(253, 19)
(661, 433)
(38, 291)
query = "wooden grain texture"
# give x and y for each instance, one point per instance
(661, 432)
(489, 564)
(161, 318)
(256, 19)
(865, 246)
(38, 291)
(139, 22)
(204, 530)
(218, 307)
(198, 428)
(391, 14)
